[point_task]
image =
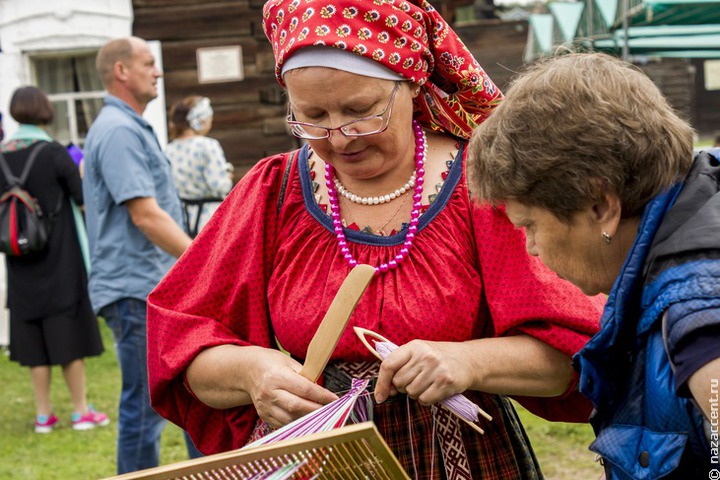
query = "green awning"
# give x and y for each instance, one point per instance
(566, 16)
(608, 10)
(669, 12)
(670, 30)
(685, 53)
(597, 18)
(541, 32)
(665, 28)
(654, 43)
(674, 36)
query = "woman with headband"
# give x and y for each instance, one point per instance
(385, 94)
(202, 175)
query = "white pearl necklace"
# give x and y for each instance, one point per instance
(375, 200)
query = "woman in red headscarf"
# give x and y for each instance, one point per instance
(386, 95)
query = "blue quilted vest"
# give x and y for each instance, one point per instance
(644, 429)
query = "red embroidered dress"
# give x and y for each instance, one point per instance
(254, 273)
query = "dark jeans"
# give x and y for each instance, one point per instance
(139, 426)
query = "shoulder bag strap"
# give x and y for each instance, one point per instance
(289, 160)
(26, 172)
(11, 179)
(29, 163)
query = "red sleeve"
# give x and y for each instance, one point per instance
(215, 295)
(525, 296)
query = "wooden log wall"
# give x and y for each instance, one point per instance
(249, 114)
(497, 45)
(676, 79)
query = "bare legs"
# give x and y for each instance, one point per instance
(74, 373)
(41, 385)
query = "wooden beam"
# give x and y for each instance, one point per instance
(195, 21)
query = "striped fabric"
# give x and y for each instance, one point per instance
(458, 452)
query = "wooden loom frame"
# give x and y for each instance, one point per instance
(354, 452)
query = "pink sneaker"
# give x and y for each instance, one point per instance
(45, 423)
(90, 420)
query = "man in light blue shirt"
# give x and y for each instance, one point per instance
(133, 219)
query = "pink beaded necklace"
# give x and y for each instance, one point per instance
(414, 215)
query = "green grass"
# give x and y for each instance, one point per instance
(705, 141)
(561, 448)
(66, 454)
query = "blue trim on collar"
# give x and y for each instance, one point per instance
(355, 236)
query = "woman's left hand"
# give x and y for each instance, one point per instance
(514, 365)
(426, 371)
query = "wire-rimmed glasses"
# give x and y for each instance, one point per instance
(355, 128)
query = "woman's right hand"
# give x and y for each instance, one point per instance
(279, 393)
(228, 376)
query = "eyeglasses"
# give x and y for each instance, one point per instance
(356, 128)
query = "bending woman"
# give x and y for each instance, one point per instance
(614, 202)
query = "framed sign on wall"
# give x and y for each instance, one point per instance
(220, 64)
(712, 74)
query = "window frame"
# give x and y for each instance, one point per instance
(69, 98)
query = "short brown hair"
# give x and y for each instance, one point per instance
(573, 126)
(31, 106)
(116, 50)
(178, 115)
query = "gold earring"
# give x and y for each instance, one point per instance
(607, 237)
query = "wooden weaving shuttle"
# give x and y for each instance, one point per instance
(335, 320)
(364, 333)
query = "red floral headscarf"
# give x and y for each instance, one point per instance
(407, 36)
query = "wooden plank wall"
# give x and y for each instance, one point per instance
(675, 78)
(249, 114)
(497, 45)
(680, 80)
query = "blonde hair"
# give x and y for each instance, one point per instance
(573, 126)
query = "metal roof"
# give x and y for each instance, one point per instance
(676, 28)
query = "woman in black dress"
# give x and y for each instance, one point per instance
(51, 321)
